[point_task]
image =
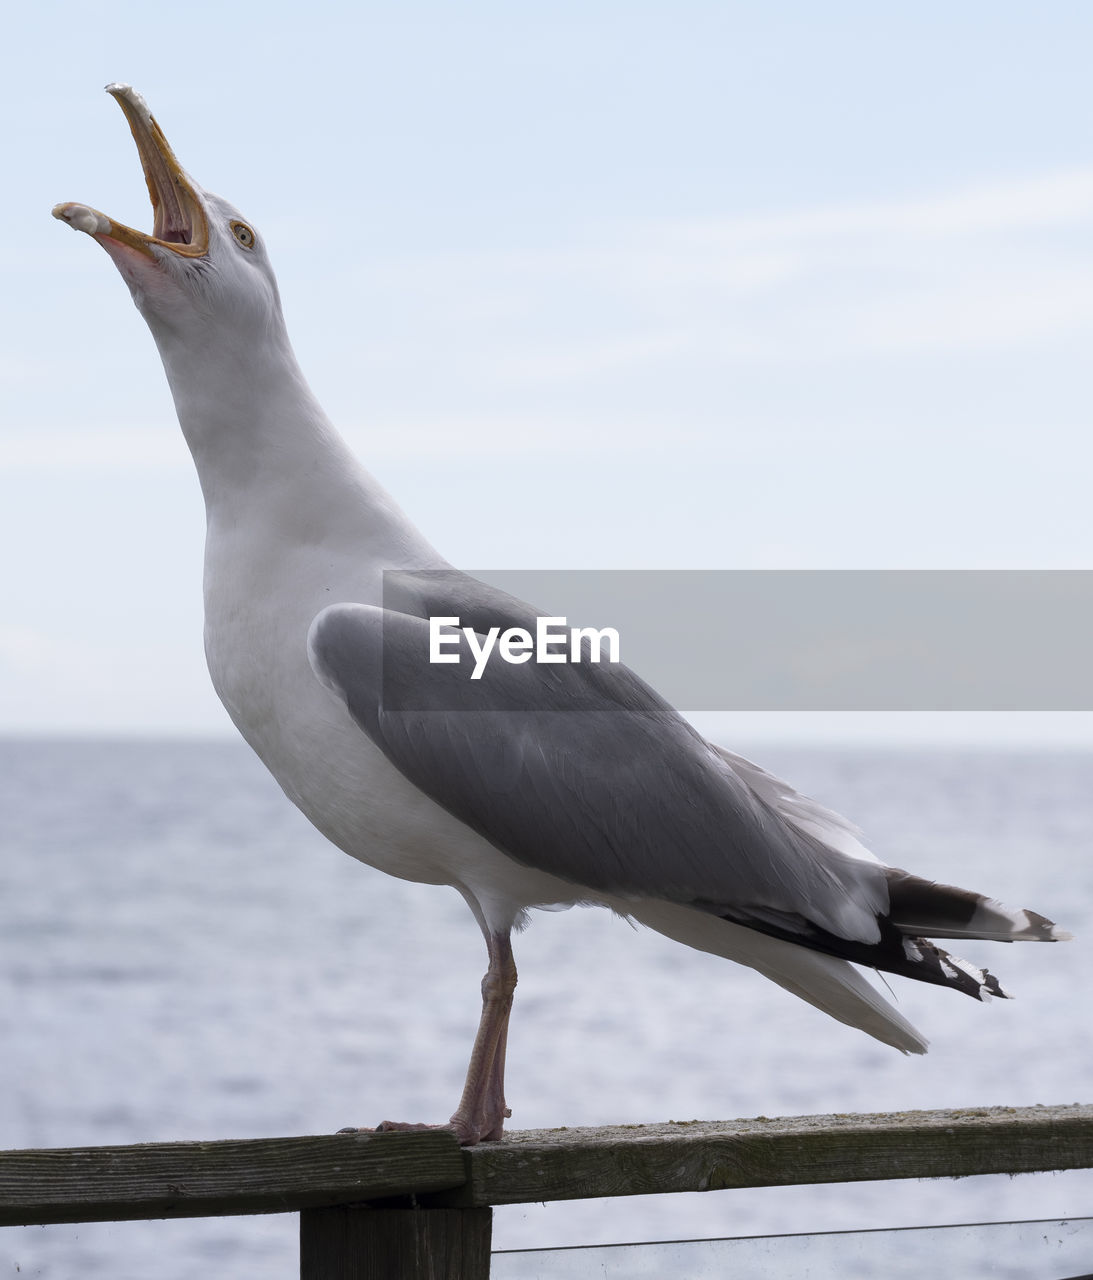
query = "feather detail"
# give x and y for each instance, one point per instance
(921, 907)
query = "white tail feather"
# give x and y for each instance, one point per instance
(832, 985)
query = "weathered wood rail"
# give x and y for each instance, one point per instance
(417, 1205)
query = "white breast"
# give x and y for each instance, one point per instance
(258, 608)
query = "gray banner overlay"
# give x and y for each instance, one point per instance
(837, 640)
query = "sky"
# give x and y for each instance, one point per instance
(587, 285)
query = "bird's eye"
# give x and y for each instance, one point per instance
(243, 234)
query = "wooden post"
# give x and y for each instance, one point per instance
(204, 1179)
(351, 1242)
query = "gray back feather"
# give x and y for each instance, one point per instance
(579, 769)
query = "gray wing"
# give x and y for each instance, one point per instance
(580, 769)
(802, 812)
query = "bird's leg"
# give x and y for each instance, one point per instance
(480, 1116)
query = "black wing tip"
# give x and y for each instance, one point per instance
(929, 963)
(923, 908)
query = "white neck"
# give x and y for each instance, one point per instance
(264, 449)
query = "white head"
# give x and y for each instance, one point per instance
(205, 286)
(203, 261)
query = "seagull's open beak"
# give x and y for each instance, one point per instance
(179, 222)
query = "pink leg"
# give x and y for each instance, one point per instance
(481, 1114)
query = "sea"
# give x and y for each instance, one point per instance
(183, 957)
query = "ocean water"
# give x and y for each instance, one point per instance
(183, 957)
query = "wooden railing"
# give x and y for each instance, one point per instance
(417, 1206)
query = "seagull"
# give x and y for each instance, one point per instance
(549, 783)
